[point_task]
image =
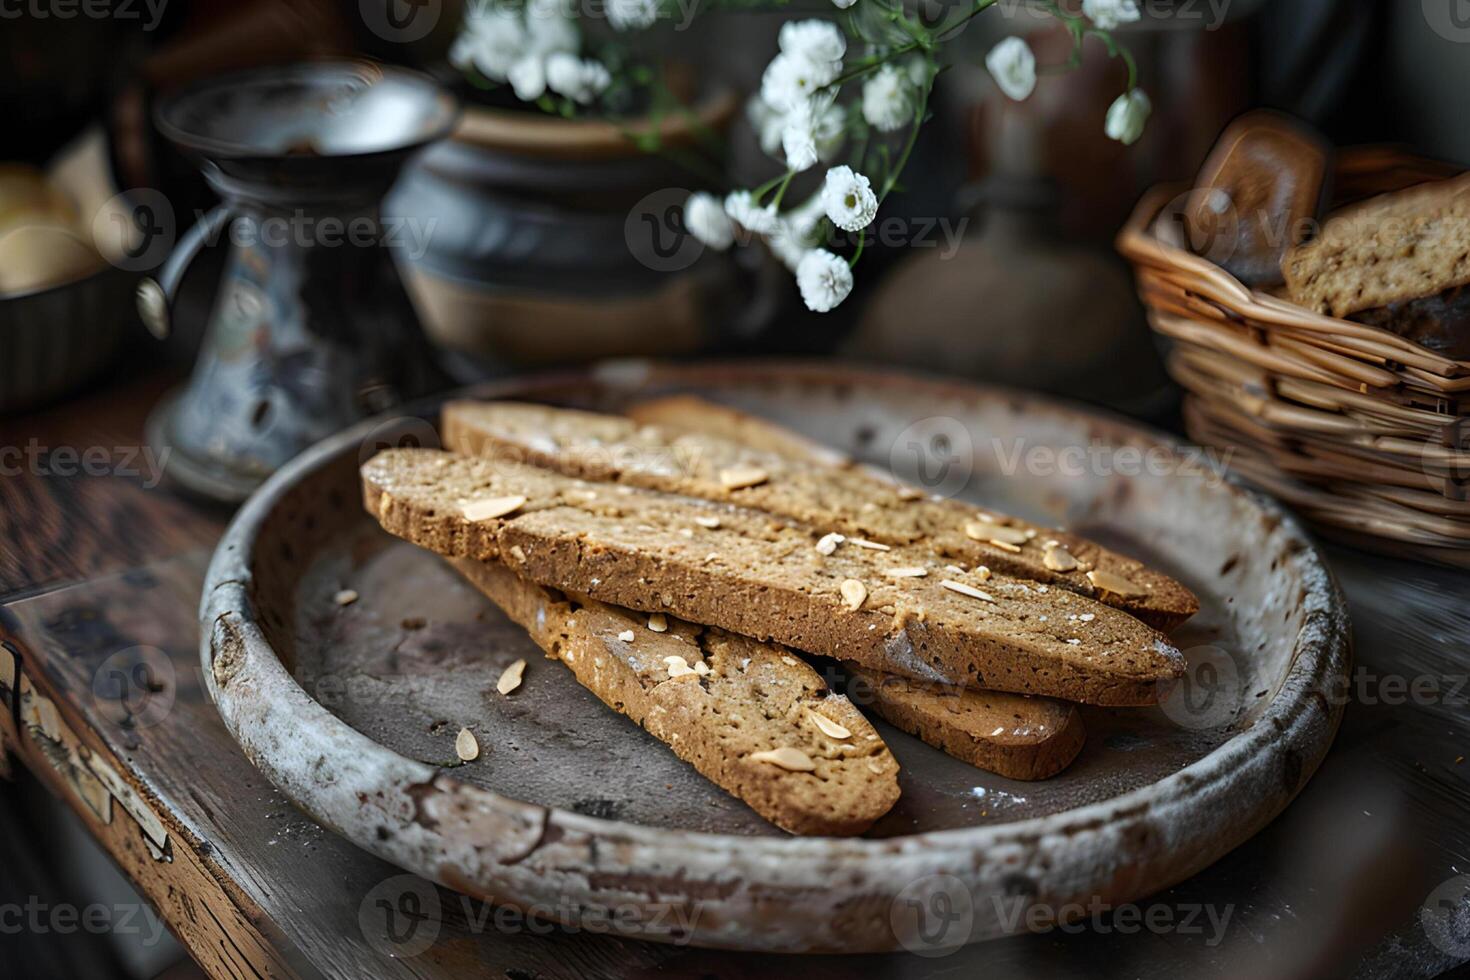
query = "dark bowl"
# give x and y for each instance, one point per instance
(55, 340)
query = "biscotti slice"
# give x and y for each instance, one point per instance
(770, 578)
(1009, 734)
(680, 414)
(1395, 247)
(846, 501)
(754, 720)
(613, 653)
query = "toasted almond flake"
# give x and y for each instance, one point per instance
(510, 679)
(954, 569)
(792, 760)
(1058, 559)
(346, 597)
(740, 477)
(997, 731)
(983, 530)
(678, 667)
(906, 572)
(627, 636)
(1087, 617)
(1116, 584)
(875, 767)
(658, 622)
(968, 590)
(709, 522)
(982, 572)
(829, 727)
(492, 507)
(517, 552)
(870, 545)
(906, 492)
(701, 668)
(854, 593)
(1074, 642)
(788, 661)
(466, 746)
(829, 543)
(712, 556)
(1014, 549)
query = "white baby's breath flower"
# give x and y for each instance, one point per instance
(548, 32)
(1108, 14)
(824, 280)
(849, 199)
(491, 40)
(632, 15)
(706, 220)
(528, 77)
(788, 247)
(790, 80)
(917, 69)
(816, 40)
(830, 130)
(799, 139)
(888, 99)
(742, 209)
(811, 131)
(843, 4)
(579, 79)
(798, 232)
(1013, 67)
(1127, 116)
(767, 122)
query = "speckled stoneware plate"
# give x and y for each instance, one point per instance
(352, 710)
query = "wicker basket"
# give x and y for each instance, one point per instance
(1365, 433)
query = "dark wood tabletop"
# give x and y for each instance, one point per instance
(100, 696)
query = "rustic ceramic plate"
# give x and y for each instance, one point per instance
(572, 811)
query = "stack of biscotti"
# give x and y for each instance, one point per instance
(627, 517)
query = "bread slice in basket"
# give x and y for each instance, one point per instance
(842, 500)
(899, 610)
(754, 720)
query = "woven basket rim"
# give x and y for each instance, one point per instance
(1138, 242)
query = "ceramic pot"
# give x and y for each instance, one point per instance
(558, 240)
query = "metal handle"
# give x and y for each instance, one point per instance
(156, 294)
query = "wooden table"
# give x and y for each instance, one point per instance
(100, 696)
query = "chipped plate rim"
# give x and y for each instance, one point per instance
(764, 893)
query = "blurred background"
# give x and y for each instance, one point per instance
(524, 241)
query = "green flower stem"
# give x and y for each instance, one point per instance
(891, 180)
(781, 191)
(862, 240)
